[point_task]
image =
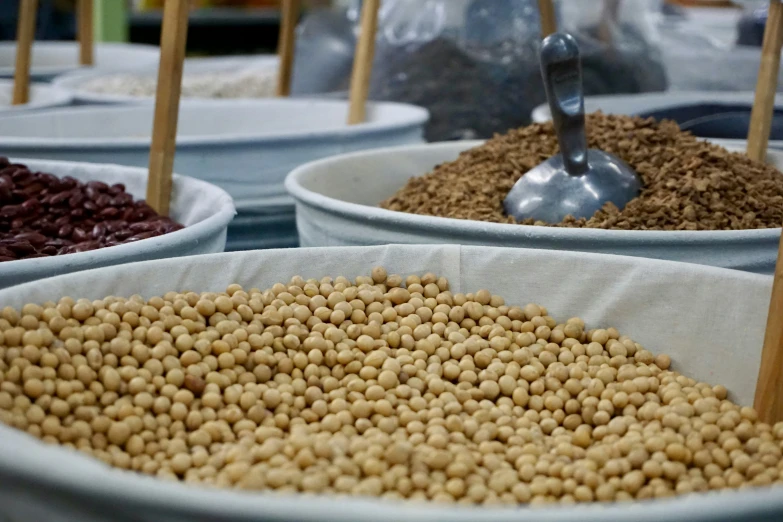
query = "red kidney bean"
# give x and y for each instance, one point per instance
(143, 226)
(21, 247)
(76, 199)
(98, 185)
(42, 215)
(10, 210)
(108, 213)
(103, 200)
(122, 235)
(79, 235)
(141, 235)
(20, 175)
(31, 205)
(99, 231)
(61, 197)
(32, 237)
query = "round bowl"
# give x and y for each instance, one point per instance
(634, 104)
(50, 59)
(74, 82)
(42, 96)
(669, 307)
(244, 146)
(204, 209)
(337, 204)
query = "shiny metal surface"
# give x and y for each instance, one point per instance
(578, 181)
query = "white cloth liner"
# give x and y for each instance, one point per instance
(337, 204)
(203, 208)
(74, 81)
(709, 320)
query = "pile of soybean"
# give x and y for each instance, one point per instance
(384, 386)
(689, 184)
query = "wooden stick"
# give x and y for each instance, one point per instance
(546, 10)
(173, 38)
(362, 62)
(769, 387)
(85, 31)
(608, 21)
(766, 85)
(286, 45)
(25, 34)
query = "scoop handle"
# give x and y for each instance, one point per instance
(561, 69)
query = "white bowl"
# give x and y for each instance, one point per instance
(42, 96)
(204, 209)
(74, 82)
(667, 307)
(50, 59)
(244, 146)
(337, 204)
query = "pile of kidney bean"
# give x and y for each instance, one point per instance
(42, 215)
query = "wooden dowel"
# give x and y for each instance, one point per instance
(608, 21)
(173, 39)
(768, 400)
(362, 63)
(766, 85)
(25, 34)
(286, 45)
(546, 11)
(85, 31)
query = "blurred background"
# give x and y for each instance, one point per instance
(219, 27)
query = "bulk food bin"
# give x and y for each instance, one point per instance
(203, 208)
(82, 84)
(42, 96)
(50, 59)
(337, 203)
(665, 306)
(245, 147)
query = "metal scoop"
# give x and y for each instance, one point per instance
(578, 181)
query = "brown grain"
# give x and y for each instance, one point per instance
(428, 394)
(688, 184)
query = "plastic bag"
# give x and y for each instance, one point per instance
(474, 63)
(705, 52)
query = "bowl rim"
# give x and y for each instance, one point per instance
(55, 97)
(374, 216)
(147, 493)
(51, 70)
(72, 81)
(222, 214)
(150, 495)
(415, 117)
